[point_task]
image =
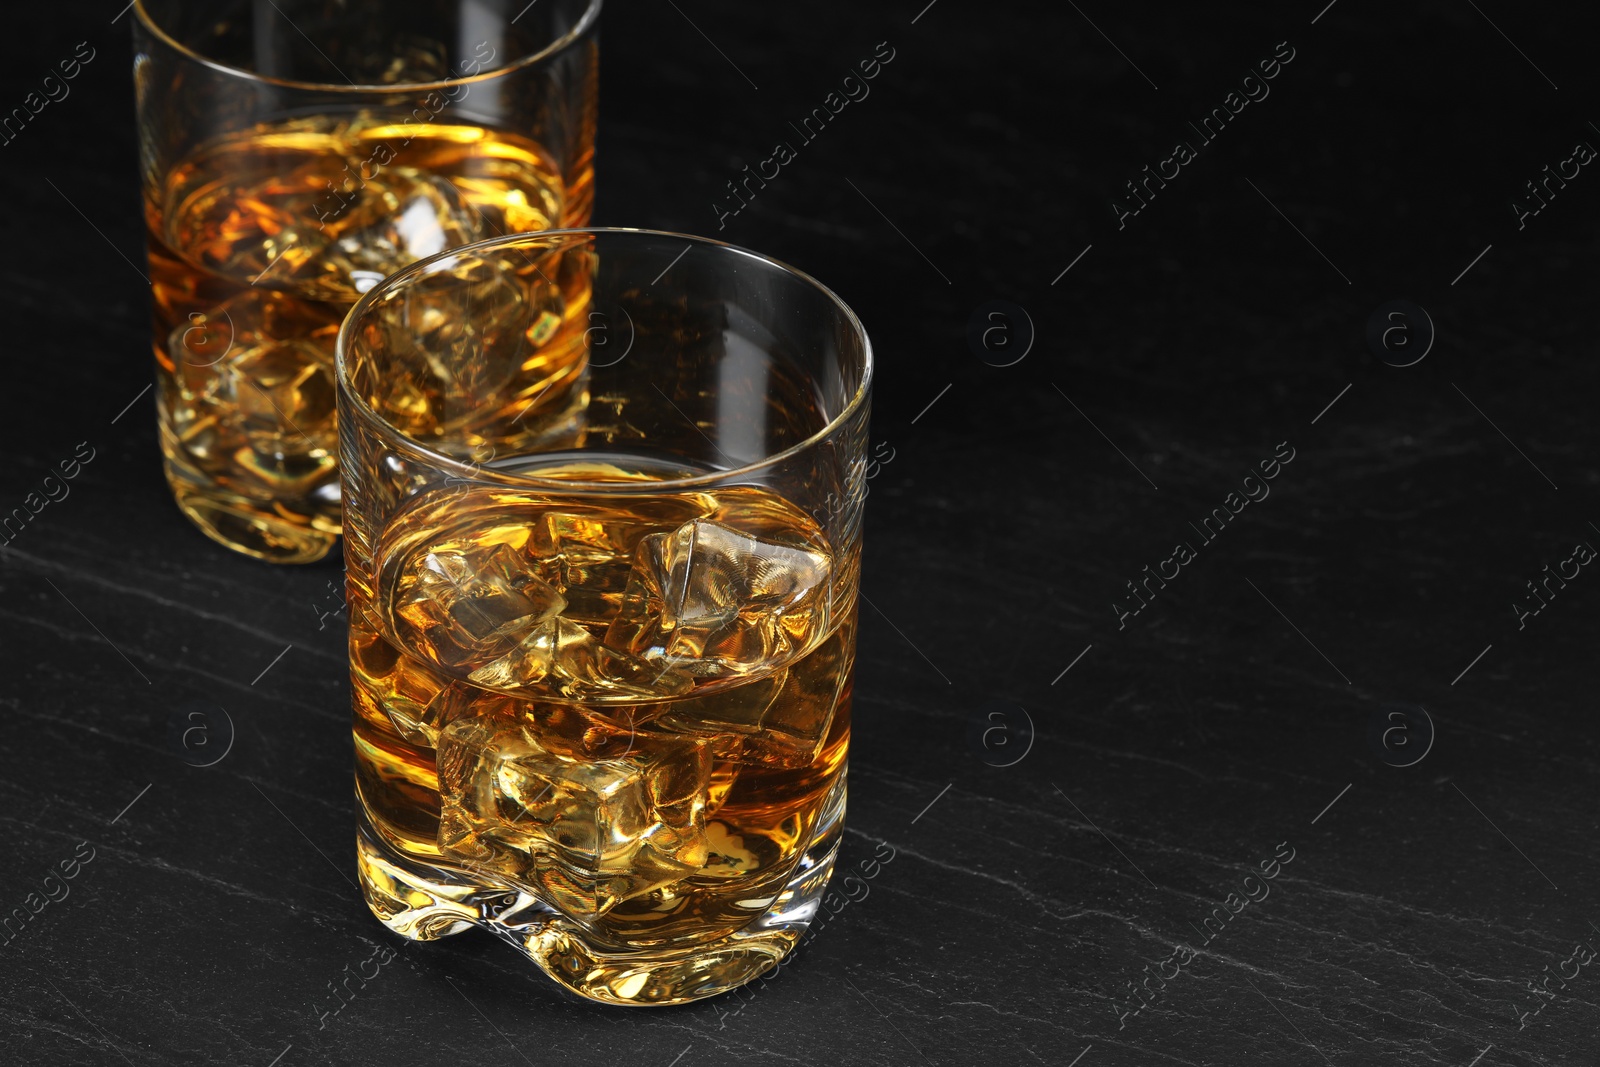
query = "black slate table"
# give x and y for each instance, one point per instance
(1320, 789)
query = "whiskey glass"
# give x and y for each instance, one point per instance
(602, 664)
(293, 153)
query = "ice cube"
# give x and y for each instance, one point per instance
(586, 554)
(560, 659)
(800, 717)
(586, 549)
(454, 339)
(741, 709)
(400, 215)
(584, 834)
(253, 209)
(249, 319)
(680, 784)
(779, 720)
(261, 365)
(718, 603)
(282, 396)
(464, 604)
(420, 703)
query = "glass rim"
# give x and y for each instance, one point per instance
(506, 241)
(591, 13)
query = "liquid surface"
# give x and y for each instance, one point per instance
(259, 245)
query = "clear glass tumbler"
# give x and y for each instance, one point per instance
(602, 658)
(293, 153)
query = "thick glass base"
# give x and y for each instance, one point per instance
(264, 531)
(424, 902)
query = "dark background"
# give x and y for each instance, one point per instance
(1175, 754)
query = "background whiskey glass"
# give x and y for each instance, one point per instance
(602, 677)
(293, 153)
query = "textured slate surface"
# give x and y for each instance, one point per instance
(1210, 732)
